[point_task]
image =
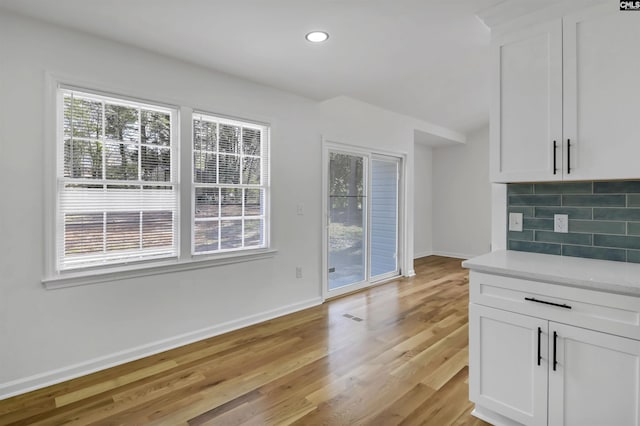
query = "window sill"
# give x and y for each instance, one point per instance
(73, 279)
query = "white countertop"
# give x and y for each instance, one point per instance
(601, 275)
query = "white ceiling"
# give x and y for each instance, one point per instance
(423, 58)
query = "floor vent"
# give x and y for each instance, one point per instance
(352, 317)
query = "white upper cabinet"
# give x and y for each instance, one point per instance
(527, 104)
(572, 81)
(601, 93)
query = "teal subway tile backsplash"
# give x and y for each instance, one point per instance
(564, 188)
(633, 228)
(526, 211)
(595, 253)
(520, 188)
(568, 238)
(597, 226)
(534, 200)
(544, 248)
(604, 219)
(525, 235)
(573, 212)
(626, 214)
(617, 200)
(617, 187)
(617, 241)
(633, 256)
(544, 224)
(633, 200)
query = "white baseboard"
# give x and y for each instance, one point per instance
(422, 254)
(454, 255)
(48, 378)
(492, 417)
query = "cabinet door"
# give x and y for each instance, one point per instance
(596, 380)
(526, 111)
(601, 93)
(505, 373)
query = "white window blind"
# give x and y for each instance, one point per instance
(230, 185)
(116, 181)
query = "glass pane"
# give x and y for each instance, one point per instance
(346, 175)
(156, 164)
(157, 229)
(229, 169)
(253, 202)
(82, 118)
(83, 159)
(123, 231)
(229, 139)
(206, 236)
(122, 123)
(207, 202)
(250, 141)
(384, 216)
(251, 170)
(347, 212)
(231, 201)
(204, 135)
(122, 161)
(204, 167)
(83, 233)
(230, 234)
(155, 128)
(252, 232)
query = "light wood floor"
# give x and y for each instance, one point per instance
(395, 354)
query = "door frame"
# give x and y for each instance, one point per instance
(331, 145)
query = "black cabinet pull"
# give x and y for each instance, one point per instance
(531, 299)
(555, 149)
(555, 341)
(539, 335)
(568, 156)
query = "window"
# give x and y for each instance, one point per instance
(230, 184)
(118, 184)
(116, 181)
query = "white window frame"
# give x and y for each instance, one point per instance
(61, 180)
(265, 180)
(183, 163)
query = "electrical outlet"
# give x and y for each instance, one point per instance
(561, 223)
(515, 222)
(298, 272)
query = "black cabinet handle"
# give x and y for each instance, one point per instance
(532, 299)
(539, 336)
(568, 156)
(555, 341)
(555, 149)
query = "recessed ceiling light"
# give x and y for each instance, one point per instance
(317, 36)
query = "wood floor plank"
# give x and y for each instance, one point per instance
(394, 354)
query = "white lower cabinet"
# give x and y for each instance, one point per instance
(596, 380)
(532, 370)
(506, 374)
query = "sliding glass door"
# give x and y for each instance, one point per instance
(384, 217)
(362, 199)
(347, 219)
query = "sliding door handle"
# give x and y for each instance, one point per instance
(555, 343)
(555, 150)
